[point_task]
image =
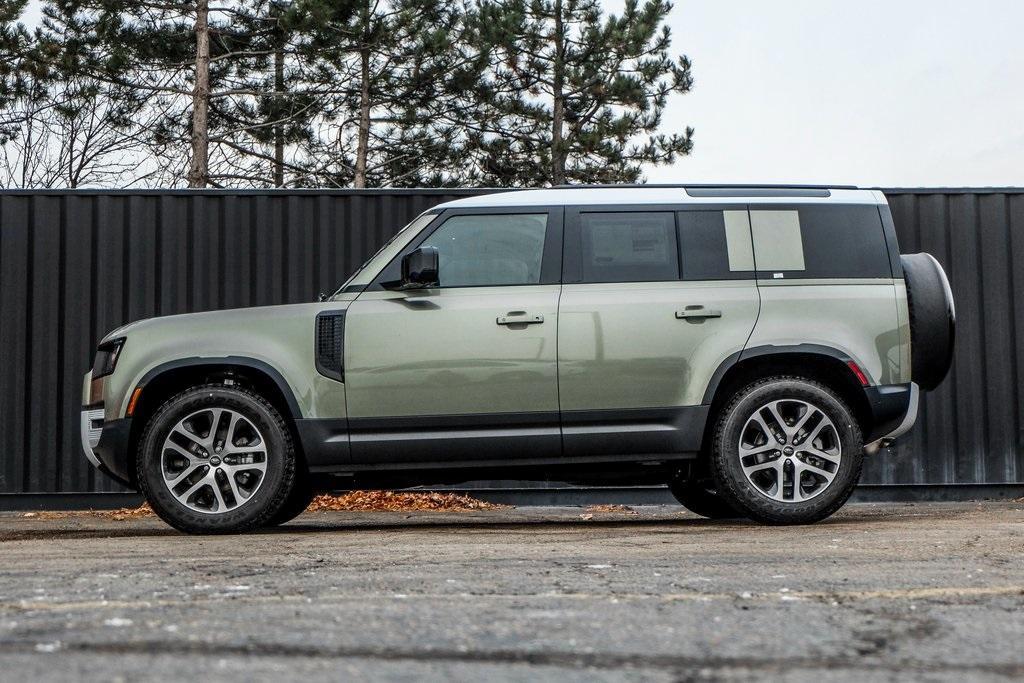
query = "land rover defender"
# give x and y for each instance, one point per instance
(746, 346)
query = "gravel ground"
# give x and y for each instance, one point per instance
(879, 592)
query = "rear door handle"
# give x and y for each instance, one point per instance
(697, 313)
(519, 318)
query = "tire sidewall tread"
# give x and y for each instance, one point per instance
(247, 517)
(298, 500)
(730, 482)
(696, 496)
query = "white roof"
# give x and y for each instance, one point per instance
(654, 194)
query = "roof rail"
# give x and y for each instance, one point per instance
(709, 186)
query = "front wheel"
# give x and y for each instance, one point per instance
(216, 459)
(786, 450)
(301, 496)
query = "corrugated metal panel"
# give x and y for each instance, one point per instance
(74, 265)
(969, 430)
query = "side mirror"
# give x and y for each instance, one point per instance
(420, 269)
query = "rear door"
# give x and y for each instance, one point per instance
(653, 300)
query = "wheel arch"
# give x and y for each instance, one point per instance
(167, 379)
(824, 364)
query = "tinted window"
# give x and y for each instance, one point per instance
(715, 245)
(479, 251)
(628, 247)
(820, 242)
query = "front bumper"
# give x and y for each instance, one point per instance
(92, 428)
(105, 443)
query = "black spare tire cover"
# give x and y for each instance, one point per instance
(932, 319)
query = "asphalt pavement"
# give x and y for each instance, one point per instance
(878, 592)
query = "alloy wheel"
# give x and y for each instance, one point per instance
(214, 460)
(789, 450)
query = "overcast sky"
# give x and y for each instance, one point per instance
(869, 92)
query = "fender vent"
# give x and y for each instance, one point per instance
(330, 344)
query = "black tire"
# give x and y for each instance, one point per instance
(932, 319)
(266, 500)
(301, 496)
(733, 485)
(699, 497)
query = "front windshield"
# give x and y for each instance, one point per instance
(398, 240)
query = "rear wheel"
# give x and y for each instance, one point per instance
(699, 497)
(786, 450)
(216, 459)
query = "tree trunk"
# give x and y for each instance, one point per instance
(558, 154)
(199, 169)
(363, 142)
(279, 114)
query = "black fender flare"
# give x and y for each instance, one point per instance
(227, 361)
(767, 350)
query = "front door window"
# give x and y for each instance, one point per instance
(487, 251)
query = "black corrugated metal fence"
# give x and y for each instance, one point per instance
(74, 265)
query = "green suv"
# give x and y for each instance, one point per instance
(746, 346)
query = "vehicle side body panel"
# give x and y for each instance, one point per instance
(281, 337)
(621, 345)
(857, 317)
(441, 356)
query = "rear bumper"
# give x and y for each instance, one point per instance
(893, 411)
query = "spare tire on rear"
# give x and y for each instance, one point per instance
(932, 319)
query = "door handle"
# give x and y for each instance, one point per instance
(697, 313)
(519, 318)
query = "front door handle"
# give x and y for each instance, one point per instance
(697, 313)
(519, 318)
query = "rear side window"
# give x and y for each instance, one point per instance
(628, 247)
(716, 245)
(825, 241)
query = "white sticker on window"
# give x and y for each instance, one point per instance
(778, 245)
(737, 241)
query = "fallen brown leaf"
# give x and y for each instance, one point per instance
(620, 509)
(391, 501)
(118, 515)
(353, 501)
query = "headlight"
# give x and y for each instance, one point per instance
(106, 357)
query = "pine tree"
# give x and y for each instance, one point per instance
(394, 62)
(202, 67)
(16, 71)
(266, 128)
(572, 95)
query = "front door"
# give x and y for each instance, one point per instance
(464, 373)
(652, 302)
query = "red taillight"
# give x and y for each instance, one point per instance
(861, 377)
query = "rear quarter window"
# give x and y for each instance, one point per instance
(824, 241)
(715, 245)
